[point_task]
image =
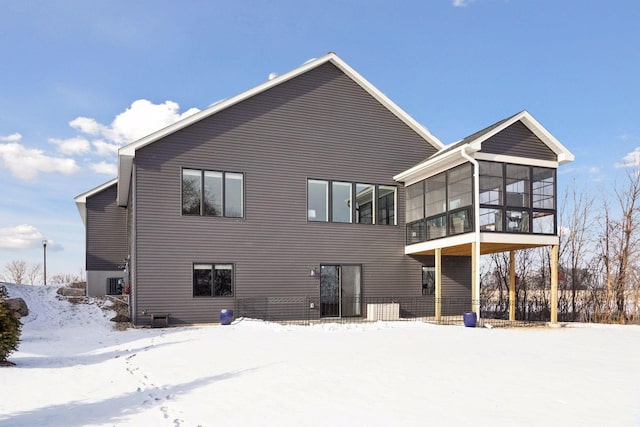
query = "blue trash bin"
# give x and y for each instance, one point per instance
(469, 318)
(226, 316)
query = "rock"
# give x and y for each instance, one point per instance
(71, 292)
(120, 318)
(78, 285)
(18, 306)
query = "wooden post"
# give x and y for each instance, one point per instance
(475, 288)
(512, 285)
(438, 262)
(554, 284)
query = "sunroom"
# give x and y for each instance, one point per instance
(494, 191)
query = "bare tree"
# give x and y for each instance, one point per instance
(620, 244)
(16, 271)
(65, 279)
(34, 273)
(576, 216)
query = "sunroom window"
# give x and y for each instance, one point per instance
(529, 198)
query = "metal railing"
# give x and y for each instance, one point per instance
(307, 310)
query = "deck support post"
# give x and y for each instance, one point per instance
(438, 265)
(512, 285)
(554, 284)
(475, 279)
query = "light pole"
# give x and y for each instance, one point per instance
(44, 248)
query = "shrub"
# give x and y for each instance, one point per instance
(9, 327)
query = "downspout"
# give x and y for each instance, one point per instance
(475, 257)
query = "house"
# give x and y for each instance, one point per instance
(314, 185)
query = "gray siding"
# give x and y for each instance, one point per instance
(318, 125)
(518, 140)
(106, 231)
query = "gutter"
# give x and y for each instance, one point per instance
(475, 257)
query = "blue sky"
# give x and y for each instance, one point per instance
(80, 78)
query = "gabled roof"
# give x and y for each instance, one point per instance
(473, 143)
(126, 154)
(81, 199)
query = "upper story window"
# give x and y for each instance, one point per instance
(440, 205)
(347, 202)
(387, 195)
(517, 198)
(365, 203)
(212, 193)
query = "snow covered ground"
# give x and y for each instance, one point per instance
(74, 369)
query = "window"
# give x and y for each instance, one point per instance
(543, 188)
(517, 198)
(436, 194)
(460, 186)
(517, 186)
(543, 222)
(460, 222)
(213, 193)
(333, 201)
(223, 193)
(317, 200)
(341, 201)
(386, 205)
(428, 280)
(436, 227)
(364, 203)
(517, 221)
(191, 192)
(415, 202)
(491, 183)
(213, 280)
(490, 219)
(233, 195)
(115, 285)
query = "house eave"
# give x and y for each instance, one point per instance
(81, 199)
(434, 165)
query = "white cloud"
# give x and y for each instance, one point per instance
(14, 137)
(72, 146)
(630, 160)
(594, 169)
(105, 168)
(27, 163)
(142, 118)
(462, 3)
(20, 237)
(104, 148)
(87, 125)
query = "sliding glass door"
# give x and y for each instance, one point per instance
(340, 290)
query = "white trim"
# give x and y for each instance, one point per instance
(431, 167)
(516, 160)
(485, 237)
(81, 199)
(124, 168)
(445, 242)
(525, 239)
(564, 155)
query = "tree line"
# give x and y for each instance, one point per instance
(20, 272)
(599, 261)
